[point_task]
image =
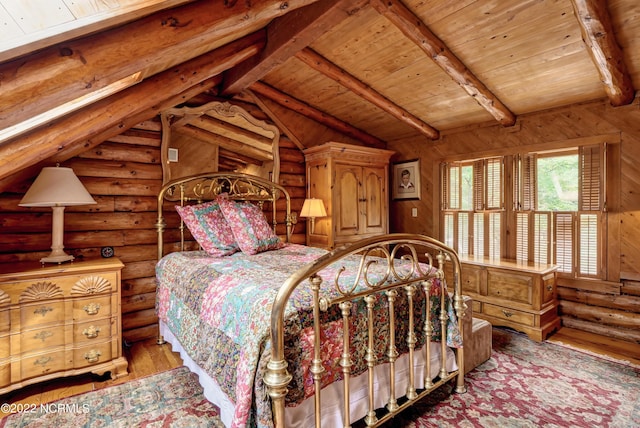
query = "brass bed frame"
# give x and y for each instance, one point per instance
(417, 251)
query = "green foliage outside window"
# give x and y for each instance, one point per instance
(558, 183)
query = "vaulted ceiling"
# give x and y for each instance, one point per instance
(376, 71)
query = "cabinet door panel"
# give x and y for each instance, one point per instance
(548, 287)
(513, 286)
(375, 201)
(472, 278)
(348, 181)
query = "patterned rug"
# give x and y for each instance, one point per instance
(524, 384)
(168, 399)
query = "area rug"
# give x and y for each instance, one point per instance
(524, 384)
(168, 399)
(535, 384)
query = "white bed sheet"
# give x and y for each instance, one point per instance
(302, 416)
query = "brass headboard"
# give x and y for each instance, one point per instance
(205, 187)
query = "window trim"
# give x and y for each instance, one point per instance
(513, 186)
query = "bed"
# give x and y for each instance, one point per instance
(281, 334)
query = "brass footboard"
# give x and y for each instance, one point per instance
(404, 277)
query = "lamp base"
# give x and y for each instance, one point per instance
(57, 254)
(58, 258)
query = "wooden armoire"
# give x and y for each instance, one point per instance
(353, 183)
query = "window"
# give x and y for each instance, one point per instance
(556, 205)
(472, 200)
(558, 209)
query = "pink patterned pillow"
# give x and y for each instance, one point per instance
(209, 227)
(250, 228)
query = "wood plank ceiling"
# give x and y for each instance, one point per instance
(378, 71)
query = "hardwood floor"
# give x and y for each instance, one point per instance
(146, 358)
(597, 344)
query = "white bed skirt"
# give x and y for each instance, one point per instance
(303, 414)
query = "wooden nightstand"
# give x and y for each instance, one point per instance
(59, 320)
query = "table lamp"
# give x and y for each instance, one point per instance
(56, 187)
(313, 208)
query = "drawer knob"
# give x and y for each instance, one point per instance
(92, 308)
(92, 356)
(42, 361)
(43, 335)
(550, 287)
(42, 310)
(507, 313)
(91, 332)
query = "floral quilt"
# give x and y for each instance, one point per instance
(220, 308)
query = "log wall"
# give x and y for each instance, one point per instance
(124, 176)
(609, 307)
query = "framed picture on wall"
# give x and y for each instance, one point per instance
(405, 180)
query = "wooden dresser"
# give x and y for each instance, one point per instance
(59, 320)
(511, 294)
(353, 183)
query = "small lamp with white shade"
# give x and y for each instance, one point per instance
(313, 208)
(57, 187)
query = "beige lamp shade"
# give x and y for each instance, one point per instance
(313, 208)
(56, 187)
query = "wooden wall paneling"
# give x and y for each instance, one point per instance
(134, 320)
(621, 302)
(113, 169)
(401, 219)
(120, 175)
(138, 252)
(131, 203)
(630, 207)
(141, 333)
(131, 287)
(124, 176)
(631, 288)
(33, 246)
(603, 307)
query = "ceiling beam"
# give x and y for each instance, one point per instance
(93, 22)
(326, 67)
(415, 30)
(315, 114)
(597, 33)
(149, 97)
(275, 119)
(286, 36)
(69, 71)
